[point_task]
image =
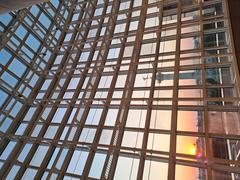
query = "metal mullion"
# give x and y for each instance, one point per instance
(83, 100)
(230, 168)
(205, 108)
(3, 144)
(224, 168)
(118, 132)
(226, 161)
(7, 88)
(18, 48)
(7, 29)
(108, 100)
(155, 157)
(144, 98)
(14, 92)
(34, 24)
(10, 49)
(233, 53)
(52, 147)
(213, 18)
(93, 86)
(46, 13)
(65, 118)
(151, 95)
(16, 147)
(43, 129)
(74, 99)
(173, 136)
(62, 91)
(190, 163)
(54, 83)
(164, 107)
(14, 53)
(11, 60)
(189, 24)
(191, 7)
(85, 69)
(219, 30)
(207, 3)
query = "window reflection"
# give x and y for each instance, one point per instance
(127, 167)
(39, 156)
(136, 118)
(190, 121)
(191, 145)
(224, 122)
(29, 173)
(97, 165)
(56, 59)
(77, 162)
(132, 139)
(154, 170)
(191, 172)
(158, 142)
(161, 119)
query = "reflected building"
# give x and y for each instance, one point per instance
(119, 89)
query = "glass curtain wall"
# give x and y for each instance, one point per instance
(119, 89)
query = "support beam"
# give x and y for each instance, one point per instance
(11, 5)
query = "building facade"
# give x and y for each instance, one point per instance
(130, 89)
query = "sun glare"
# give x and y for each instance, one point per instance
(192, 150)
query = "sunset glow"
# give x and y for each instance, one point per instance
(193, 150)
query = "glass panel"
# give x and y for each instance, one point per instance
(58, 116)
(127, 167)
(136, 118)
(77, 162)
(4, 56)
(94, 116)
(39, 155)
(215, 39)
(158, 142)
(105, 137)
(3, 97)
(224, 122)
(167, 46)
(190, 145)
(190, 43)
(53, 157)
(154, 170)
(192, 173)
(29, 173)
(212, 10)
(111, 117)
(216, 174)
(132, 139)
(190, 77)
(61, 158)
(7, 151)
(97, 165)
(190, 121)
(161, 119)
(24, 152)
(87, 135)
(190, 15)
(13, 172)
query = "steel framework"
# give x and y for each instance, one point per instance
(106, 89)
